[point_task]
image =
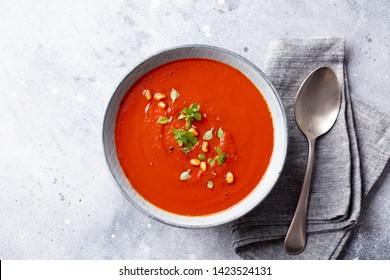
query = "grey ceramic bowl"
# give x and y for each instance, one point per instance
(280, 135)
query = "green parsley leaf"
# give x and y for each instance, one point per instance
(185, 175)
(162, 120)
(194, 107)
(189, 145)
(220, 133)
(210, 184)
(208, 135)
(184, 137)
(189, 124)
(189, 114)
(180, 136)
(201, 156)
(211, 161)
(191, 138)
(221, 156)
(174, 94)
(197, 116)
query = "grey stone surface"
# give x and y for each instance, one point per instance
(60, 62)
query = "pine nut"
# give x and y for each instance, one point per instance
(205, 147)
(193, 131)
(229, 177)
(195, 162)
(147, 94)
(203, 166)
(162, 104)
(159, 96)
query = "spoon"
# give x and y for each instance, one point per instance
(316, 108)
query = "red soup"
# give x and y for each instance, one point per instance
(194, 136)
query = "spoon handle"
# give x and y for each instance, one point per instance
(295, 240)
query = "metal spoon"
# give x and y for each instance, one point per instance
(316, 108)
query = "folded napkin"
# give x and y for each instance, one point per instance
(348, 160)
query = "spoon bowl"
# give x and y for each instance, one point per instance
(316, 108)
(318, 102)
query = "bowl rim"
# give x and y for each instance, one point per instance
(198, 221)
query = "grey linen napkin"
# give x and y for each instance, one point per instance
(348, 161)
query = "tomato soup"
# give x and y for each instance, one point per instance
(194, 136)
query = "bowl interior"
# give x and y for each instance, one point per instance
(280, 135)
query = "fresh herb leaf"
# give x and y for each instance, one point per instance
(191, 138)
(211, 161)
(201, 156)
(197, 116)
(221, 156)
(189, 114)
(220, 133)
(185, 175)
(174, 94)
(184, 137)
(189, 124)
(180, 136)
(189, 145)
(194, 107)
(162, 120)
(208, 135)
(210, 184)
